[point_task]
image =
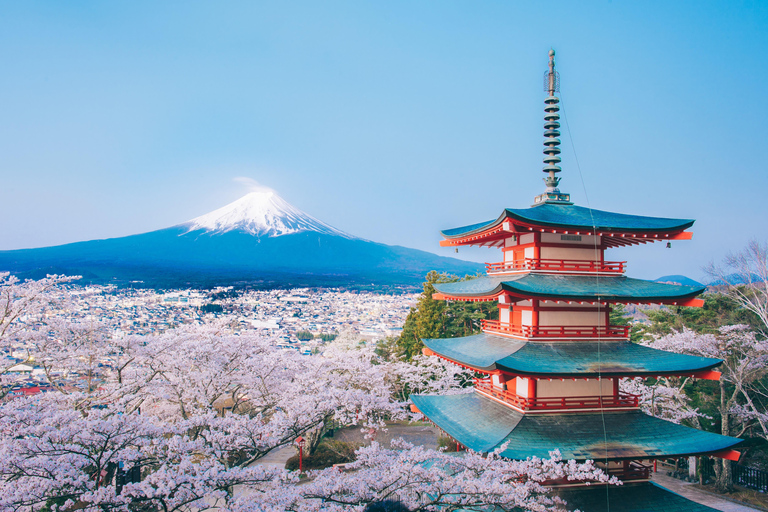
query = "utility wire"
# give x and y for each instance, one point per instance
(597, 282)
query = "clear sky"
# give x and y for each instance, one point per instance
(389, 120)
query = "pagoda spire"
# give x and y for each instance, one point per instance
(551, 141)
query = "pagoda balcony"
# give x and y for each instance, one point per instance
(622, 401)
(632, 471)
(556, 331)
(579, 266)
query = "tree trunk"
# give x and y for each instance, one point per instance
(724, 482)
(313, 437)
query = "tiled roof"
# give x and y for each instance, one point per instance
(583, 358)
(639, 497)
(483, 425)
(569, 287)
(576, 217)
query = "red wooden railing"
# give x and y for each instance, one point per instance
(556, 331)
(635, 471)
(624, 400)
(556, 266)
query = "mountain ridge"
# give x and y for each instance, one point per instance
(256, 239)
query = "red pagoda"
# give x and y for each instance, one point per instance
(552, 363)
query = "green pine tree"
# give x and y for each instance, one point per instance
(440, 319)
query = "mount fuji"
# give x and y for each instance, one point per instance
(261, 213)
(259, 240)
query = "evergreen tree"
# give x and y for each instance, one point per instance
(440, 319)
(718, 310)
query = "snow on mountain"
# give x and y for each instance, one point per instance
(261, 213)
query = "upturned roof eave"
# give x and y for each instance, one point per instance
(498, 360)
(514, 215)
(484, 425)
(682, 226)
(497, 286)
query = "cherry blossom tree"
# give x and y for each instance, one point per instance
(23, 307)
(745, 362)
(744, 277)
(425, 479)
(178, 422)
(664, 399)
(427, 375)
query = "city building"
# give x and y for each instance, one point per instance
(552, 363)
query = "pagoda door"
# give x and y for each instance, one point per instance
(517, 316)
(519, 258)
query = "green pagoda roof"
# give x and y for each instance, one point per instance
(576, 217)
(565, 359)
(569, 287)
(639, 497)
(483, 425)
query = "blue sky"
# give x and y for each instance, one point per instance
(389, 120)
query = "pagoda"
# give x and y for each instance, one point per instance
(552, 363)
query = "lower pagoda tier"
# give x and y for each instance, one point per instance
(488, 353)
(483, 425)
(640, 497)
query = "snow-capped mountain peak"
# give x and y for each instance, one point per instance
(261, 213)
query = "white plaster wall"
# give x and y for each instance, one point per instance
(521, 387)
(526, 239)
(529, 254)
(526, 317)
(571, 318)
(568, 387)
(504, 315)
(566, 253)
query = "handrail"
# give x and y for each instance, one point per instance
(635, 471)
(617, 267)
(623, 400)
(557, 331)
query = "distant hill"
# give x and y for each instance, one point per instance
(737, 279)
(678, 279)
(259, 240)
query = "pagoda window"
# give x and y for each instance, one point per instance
(570, 239)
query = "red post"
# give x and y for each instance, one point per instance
(300, 441)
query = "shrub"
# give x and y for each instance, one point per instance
(329, 452)
(447, 443)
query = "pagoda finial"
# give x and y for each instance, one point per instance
(551, 141)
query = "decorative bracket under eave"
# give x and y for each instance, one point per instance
(728, 455)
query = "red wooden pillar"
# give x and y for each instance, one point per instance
(531, 388)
